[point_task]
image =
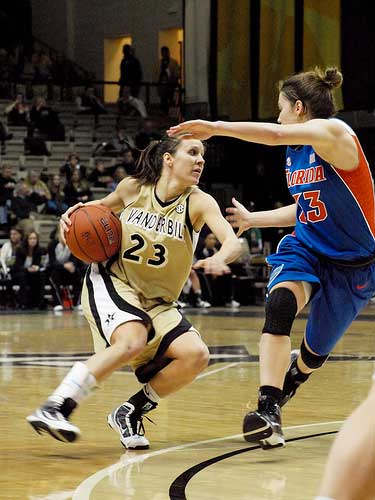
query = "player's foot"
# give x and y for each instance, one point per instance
(48, 418)
(264, 425)
(128, 423)
(291, 384)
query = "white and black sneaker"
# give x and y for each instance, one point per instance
(49, 418)
(128, 423)
(291, 384)
(264, 425)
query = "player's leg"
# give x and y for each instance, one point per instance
(120, 334)
(350, 469)
(171, 360)
(285, 301)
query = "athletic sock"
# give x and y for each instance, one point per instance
(145, 400)
(74, 388)
(269, 391)
(297, 374)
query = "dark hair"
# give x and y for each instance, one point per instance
(25, 242)
(18, 229)
(150, 162)
(314, 89)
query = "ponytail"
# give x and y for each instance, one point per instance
(150, 162)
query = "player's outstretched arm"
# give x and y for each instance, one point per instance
(205, 210)
(240, 218)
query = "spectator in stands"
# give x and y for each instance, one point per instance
(7, 73)
(29, 274)
(146, 134)
(23, 203)
(254, 235)
(99, 177)
(56, 205)
(130, 71)
(44, 67)
(127, 162)
(46, 120)
(129, 105)
(77, 190)
(89, 104)
(73, 163)
(122, 141)
(169, 74)
(64, 270)
(37, 186)
(4, 133)
(8, 250)
(7, 185)
(118, 175)
(18, 112)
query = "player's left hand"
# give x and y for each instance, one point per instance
(212, 265)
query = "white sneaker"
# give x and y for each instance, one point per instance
(233, 303)
(129, 426)
(58, 308)
(203, 303)
(48, 418)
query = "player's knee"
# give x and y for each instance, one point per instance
(128, 349)
(281, 309)
(198, 358)
(311, 360)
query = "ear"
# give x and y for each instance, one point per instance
(299, 107)
(167, 158)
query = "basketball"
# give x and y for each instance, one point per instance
(95, 233)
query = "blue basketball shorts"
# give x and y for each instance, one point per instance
(339, 293)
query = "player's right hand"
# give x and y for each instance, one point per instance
(65, 221)
(238, 217)
(193, 129)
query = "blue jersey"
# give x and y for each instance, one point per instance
(335, 207)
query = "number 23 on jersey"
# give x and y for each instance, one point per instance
(134, 253)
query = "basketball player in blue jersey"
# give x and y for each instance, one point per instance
(349, 473)
(130, 301)
(328, 260)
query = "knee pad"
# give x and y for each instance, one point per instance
(281, 309)
(145, 373)
(311, 360)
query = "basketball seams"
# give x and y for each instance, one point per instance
(109, 212)
(96, 231)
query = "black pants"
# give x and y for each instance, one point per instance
(61, 277)
(31, 292)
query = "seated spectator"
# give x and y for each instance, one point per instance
(146, 134)
(24, 202)
(37, 186)
(64, 270)
(121, 141)
(4, 134)
(7, 185)
(44, 68)
(72, 164)
(56, 205)
(77, 189)
(89, 104)
(127, 162)
(129, 105)
(46, 121)
(220, 286)
(8, 250)
(28, 273)
(18, 112)
(118, 175)
(99, 177)
(192, 293)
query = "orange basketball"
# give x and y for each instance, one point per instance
(95, 233)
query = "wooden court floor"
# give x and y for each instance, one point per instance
(197, 452)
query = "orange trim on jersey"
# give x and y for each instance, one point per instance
(360, 184)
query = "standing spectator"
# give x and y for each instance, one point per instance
(89, 104)
(56, 205)
(129, 105)
(130, 71)
(29, 274)
(18, 112)
(169, 74)
(72, 164)
(77, 190)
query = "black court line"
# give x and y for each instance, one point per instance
(178, 487)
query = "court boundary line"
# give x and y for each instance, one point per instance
(86, 487)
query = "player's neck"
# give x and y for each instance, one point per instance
(167, 190)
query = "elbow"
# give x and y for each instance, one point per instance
(237, 249)
(275, 136)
